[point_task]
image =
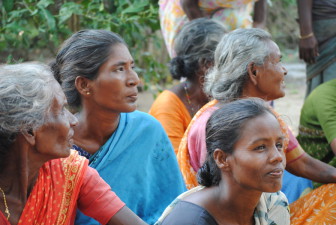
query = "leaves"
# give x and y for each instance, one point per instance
(34, 24)
(68, 9)
(8, 5)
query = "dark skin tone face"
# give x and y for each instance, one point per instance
(261, 142)
(103, 99)
(54, 138)
(269, 77)
(115, 88)
(234, 200)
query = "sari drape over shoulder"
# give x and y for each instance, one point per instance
(54, 197)
(293, 186)
(140, 165)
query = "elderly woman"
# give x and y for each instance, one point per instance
(42, 181)
(195, 47)
(234, 190)
(129, 149)
(248, 64)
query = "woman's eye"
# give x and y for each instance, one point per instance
(120, 69)
(260, 147)
(279, 145)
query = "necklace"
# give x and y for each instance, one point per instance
(4, 197)
(188, 98)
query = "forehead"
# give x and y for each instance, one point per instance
(261, 127)
(119, 52)
(274, 51)
(59, 98)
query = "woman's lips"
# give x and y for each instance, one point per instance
(276, 173)
(283, 84)
(133, 97)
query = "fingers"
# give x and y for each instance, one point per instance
(308, 50)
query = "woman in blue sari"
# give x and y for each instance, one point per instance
(128, 148)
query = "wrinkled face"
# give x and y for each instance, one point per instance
(258, 160)
(115, 88)
(271, 75)
(54, 138)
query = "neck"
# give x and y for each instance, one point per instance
(192, 95)
(94, 128)
(250, 90)
(233, 205)
(18, 176)
(21, 168)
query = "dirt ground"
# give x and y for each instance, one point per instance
(289, 106)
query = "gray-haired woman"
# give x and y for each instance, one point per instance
(195, 47)
(248, 64)
(42, 181)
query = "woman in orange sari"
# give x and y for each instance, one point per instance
(42, 181)
(248, 64)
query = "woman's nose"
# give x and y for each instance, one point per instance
(133, 79)
(277, 155)
(285, 70)
(73, 120)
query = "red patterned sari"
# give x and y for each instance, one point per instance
(54, 197)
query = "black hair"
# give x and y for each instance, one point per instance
(82, 55)
(195, 45)
(223, 130)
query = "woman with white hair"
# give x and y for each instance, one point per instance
(248, 64)
(42, 181)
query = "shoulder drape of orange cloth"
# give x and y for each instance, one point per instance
(54, 196)
(317, 207)
(183, 157)
(170, 111)
(55, 192)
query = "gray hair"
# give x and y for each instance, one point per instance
(25, 97)
(194, 46)
(82, 55)
(226, 80)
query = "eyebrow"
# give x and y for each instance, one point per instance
(282, 138)
(122, 63)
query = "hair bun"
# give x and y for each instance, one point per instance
(176, 67)
(204, 176)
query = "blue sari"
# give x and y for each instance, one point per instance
(139, 163)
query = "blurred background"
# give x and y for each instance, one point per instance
(34, 29)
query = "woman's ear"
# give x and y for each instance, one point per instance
(29, 136)
(220, 158)
(252, 72)
(83, 85)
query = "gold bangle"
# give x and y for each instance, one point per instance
(306, 36)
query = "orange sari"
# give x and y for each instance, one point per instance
(317, 207)
(54, 197)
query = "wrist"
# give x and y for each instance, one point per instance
(302, 37)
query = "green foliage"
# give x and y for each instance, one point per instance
(44, 24)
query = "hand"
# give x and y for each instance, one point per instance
(191, 9)
(308, 49)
